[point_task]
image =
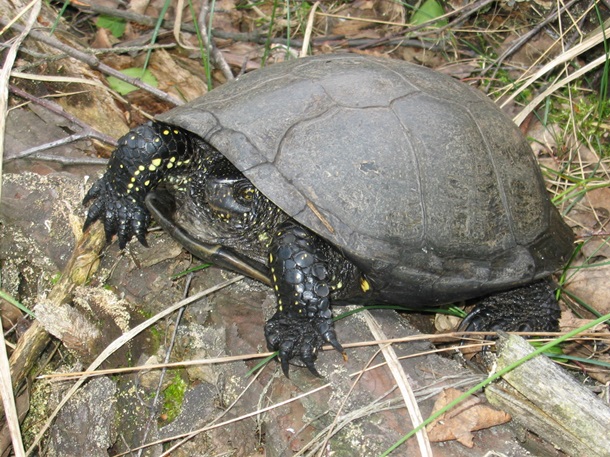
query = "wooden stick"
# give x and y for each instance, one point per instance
(83, 263)
(547, 400)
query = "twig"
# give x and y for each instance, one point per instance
(57, 109)
(464, 13)
(119, 342)
(308, 29)
(403, 382)
(35, 153)
(87, 132)
(6, 381)
(516, 45)
(168, 353)
(258, 38)
(94, 63)
(216, 55)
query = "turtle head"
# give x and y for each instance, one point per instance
(229, 197)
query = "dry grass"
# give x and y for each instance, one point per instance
(554, 83)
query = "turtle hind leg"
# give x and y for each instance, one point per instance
(530, 308)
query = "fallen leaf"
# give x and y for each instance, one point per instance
(569, 322)
(446, 323)
(467, 417)
(592, 286)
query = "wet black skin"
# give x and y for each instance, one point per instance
(157, 166)
(241, 227)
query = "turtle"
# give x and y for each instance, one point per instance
(347, 179)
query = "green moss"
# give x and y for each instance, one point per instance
(173, 398)
(55, 279)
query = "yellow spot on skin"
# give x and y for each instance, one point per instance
(166, 132)
(364, 285)
(121, 166)
(157, 140)
(141, 168)
(170, 165)
(133, 179)
(147, 183)
(175, 131)
(276, 287)
(136, 173)
(151, 167)
(156, 162)
(281, 308)
(172, 159)
(130, 185)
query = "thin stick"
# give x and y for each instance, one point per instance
(6, 385)
(116, 344)
(94, 63)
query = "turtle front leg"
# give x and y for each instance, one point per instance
(302, 281)
(144, 157)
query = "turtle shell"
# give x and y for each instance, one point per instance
(417, 178)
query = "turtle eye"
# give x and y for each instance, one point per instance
(245, 194)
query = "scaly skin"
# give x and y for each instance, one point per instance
(304, 268)
(529, 308)
(303, 279)
(307, 273)
(143, 158)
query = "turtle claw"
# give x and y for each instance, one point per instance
(121, 215)
(285, 358)
(298, 340)
(312, 369)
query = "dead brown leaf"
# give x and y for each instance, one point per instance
(174, 78)
(592, 285)
(459, 423)
(569, 321)
(446, 323)
(9, 314)
(586, 349)
(102, 39)
(542, 46)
